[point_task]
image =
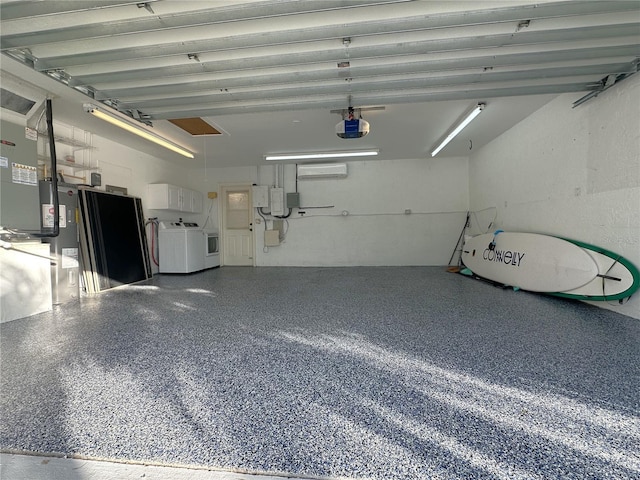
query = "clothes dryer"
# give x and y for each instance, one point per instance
(181, 247)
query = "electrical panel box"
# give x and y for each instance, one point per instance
(277, 201)
(96, 179)
(279, 226)
(260, 196)
(293, 200)
(19, 192)
(271, 238)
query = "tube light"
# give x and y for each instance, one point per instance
(466, 121)
(320, 156)
(116, 120)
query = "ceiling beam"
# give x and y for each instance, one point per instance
(387, 98)
(292, 36)
(38, 8)
(223, 13)
(472, 43)
(367, 85)
(587, 55)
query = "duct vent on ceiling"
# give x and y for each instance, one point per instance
(14, 102)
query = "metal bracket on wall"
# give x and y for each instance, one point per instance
(609, 81)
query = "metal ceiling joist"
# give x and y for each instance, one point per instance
(476, 80)
(379, 91)
(609, 81)
(367, 100)
(262, 56)
(627, 26)
(222, 13)
(484, 62)
(378, 51)
(226, 14)
(37, 8)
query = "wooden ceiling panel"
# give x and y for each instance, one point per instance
(195, 126)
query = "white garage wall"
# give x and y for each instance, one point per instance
(367, 224)
(573, 172)
(125, 167)
(375, 195)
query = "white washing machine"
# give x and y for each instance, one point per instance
(181, 247)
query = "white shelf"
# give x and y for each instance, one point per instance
(63, 163)
(69, 145)
(72, 142)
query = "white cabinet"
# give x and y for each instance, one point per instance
(164, 196)
(170, 195)
(197, 202)
(186, 200)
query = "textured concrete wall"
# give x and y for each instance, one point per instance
(569, 171)
(395, 212)
(399, 212)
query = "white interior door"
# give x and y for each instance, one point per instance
(237, 231)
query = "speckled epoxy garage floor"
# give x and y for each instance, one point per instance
(370, 372)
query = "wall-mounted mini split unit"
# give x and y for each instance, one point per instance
(322, 170)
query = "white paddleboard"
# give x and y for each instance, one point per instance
(542, 263)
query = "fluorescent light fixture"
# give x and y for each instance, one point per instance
(321, 156)
(120, 121)
(466, 121)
